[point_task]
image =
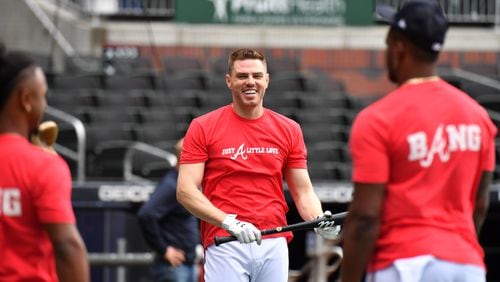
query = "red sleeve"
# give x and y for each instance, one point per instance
(297, 158)
(194, 149)
(489, 163)
(368, 150)
(53, 192)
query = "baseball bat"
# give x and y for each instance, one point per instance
(47, 132)
(46, 136)
(324, 221)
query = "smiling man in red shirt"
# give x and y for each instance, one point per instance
(238, 155)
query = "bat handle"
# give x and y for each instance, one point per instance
(218, 240)
(224, 239)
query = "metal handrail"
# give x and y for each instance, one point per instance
(149, 8)
(471, 76)
(121, 259)
(50, 27)
(466, 11)
(79, 154)
(325, 258)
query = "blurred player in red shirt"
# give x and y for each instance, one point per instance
(39, 240)
(423, 157)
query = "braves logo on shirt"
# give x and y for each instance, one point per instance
(446, 140)
(243, 151)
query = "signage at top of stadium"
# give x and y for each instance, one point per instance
(328, 12)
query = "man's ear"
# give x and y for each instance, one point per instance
(25, 99)
(399, 46)
(228, 81)
(399, 52)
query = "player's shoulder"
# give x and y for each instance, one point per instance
(213, 115)
(36, 155)
(281, 118)
(463, 98)
(378, 112)
(20, 146)
(374, 107)
(47, 159)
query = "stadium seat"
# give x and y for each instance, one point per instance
(131, 81)
(328, 151)
(43, 60)
(325, 132)
(218, 66)
(482, 69)
(155, 115)
(176, 64)
(324, 151)
(213, 100)
(184, 99)
(115, 115)
(216, 82)
(278, 100)
(100, 133)
(188, 80)
(336, 171)
(181, 117)
(78, 81)
(71, 100)
(332, 116)
(471, 87)
(282, 64)
(83, 64)
(162, 134)
(143, 65)
(489, 101)
(320, 81)
(149, 166)
(119, 99)
(106, 144)
(333, 100)
(286, 81)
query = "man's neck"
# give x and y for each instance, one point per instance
(248, 113)
(417, 80)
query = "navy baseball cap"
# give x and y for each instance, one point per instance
(422, 21)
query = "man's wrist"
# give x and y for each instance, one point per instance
(229, 220)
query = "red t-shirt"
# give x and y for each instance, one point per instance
(429, 143)
(244, 164)
(35, 188)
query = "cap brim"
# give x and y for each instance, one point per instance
(386, 12)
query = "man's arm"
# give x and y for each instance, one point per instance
(482, 200)
(190, 196)
(160, 204)
(361, 230)
(70, 252)
(194, 201)
(305, 199)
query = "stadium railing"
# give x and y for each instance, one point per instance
(76, 154)
(464, 12)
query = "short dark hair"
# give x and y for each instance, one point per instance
(244, 54)
(416, 51)
(12, 64)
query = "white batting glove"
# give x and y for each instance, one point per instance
(244, 231)
(328, 232)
